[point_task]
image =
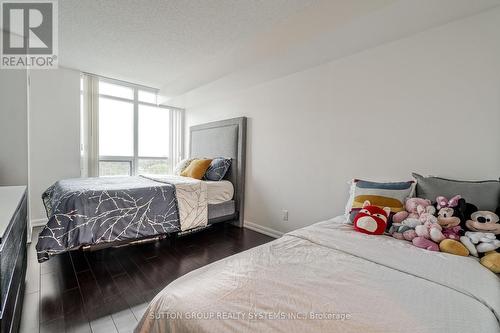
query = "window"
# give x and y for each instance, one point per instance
(153, 131)
(131, 134)
(115, 90)
(114, 168)
(116, 127)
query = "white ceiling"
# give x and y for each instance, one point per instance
(154, 42)
(207, 46)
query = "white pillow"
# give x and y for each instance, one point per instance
(182, 165)
(379, 194)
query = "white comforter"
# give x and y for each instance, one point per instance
(329, 278)
(192, 200)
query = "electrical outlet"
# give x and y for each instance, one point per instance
(285, 215)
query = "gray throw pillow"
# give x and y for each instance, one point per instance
(217, 169)
(484, 194)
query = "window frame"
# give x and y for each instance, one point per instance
(130, 161)
(134, 160)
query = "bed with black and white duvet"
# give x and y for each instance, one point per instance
(92, 211)
(329, 278)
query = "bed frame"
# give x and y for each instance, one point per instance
(225, 138)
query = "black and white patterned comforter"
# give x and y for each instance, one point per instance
(89, 211)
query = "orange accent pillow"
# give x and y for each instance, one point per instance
(196, 169)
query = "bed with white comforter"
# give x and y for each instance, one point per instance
(329, 278)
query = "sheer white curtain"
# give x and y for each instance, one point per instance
(89, 136)
(177, 130)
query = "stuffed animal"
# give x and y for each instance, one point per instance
(428, 236)
(418, 211)
(427, 215)
(480, 242)
(411, 209)
(450, 216)
(442, 233)
(443, 202)
(371, 220)
(482, 238)
(405, 230)
(491, 260)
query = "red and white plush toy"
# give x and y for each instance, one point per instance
(371, 219)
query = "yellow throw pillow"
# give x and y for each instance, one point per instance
(196, 169)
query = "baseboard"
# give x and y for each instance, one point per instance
(263, 230)
(246, 224)
(38, 223)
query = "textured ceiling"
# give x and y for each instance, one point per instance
(154, 42)
(197, 49)
(321, 33)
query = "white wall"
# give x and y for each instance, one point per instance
(428, 103)
(13, 127)
(54, 132)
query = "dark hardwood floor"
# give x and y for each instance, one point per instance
(108, 290)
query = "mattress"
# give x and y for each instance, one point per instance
(219, 192)
(329, 278)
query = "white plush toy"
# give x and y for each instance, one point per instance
(480, 242)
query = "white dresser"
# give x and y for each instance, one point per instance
(13, 228)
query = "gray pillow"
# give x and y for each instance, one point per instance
(217, 169)
(484, 194)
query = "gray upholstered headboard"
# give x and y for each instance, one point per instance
(225, 138)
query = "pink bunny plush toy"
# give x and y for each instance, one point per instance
(411, 209)
(428, 236)
(418, 211)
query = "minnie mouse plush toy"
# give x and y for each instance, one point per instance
(451, 215)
